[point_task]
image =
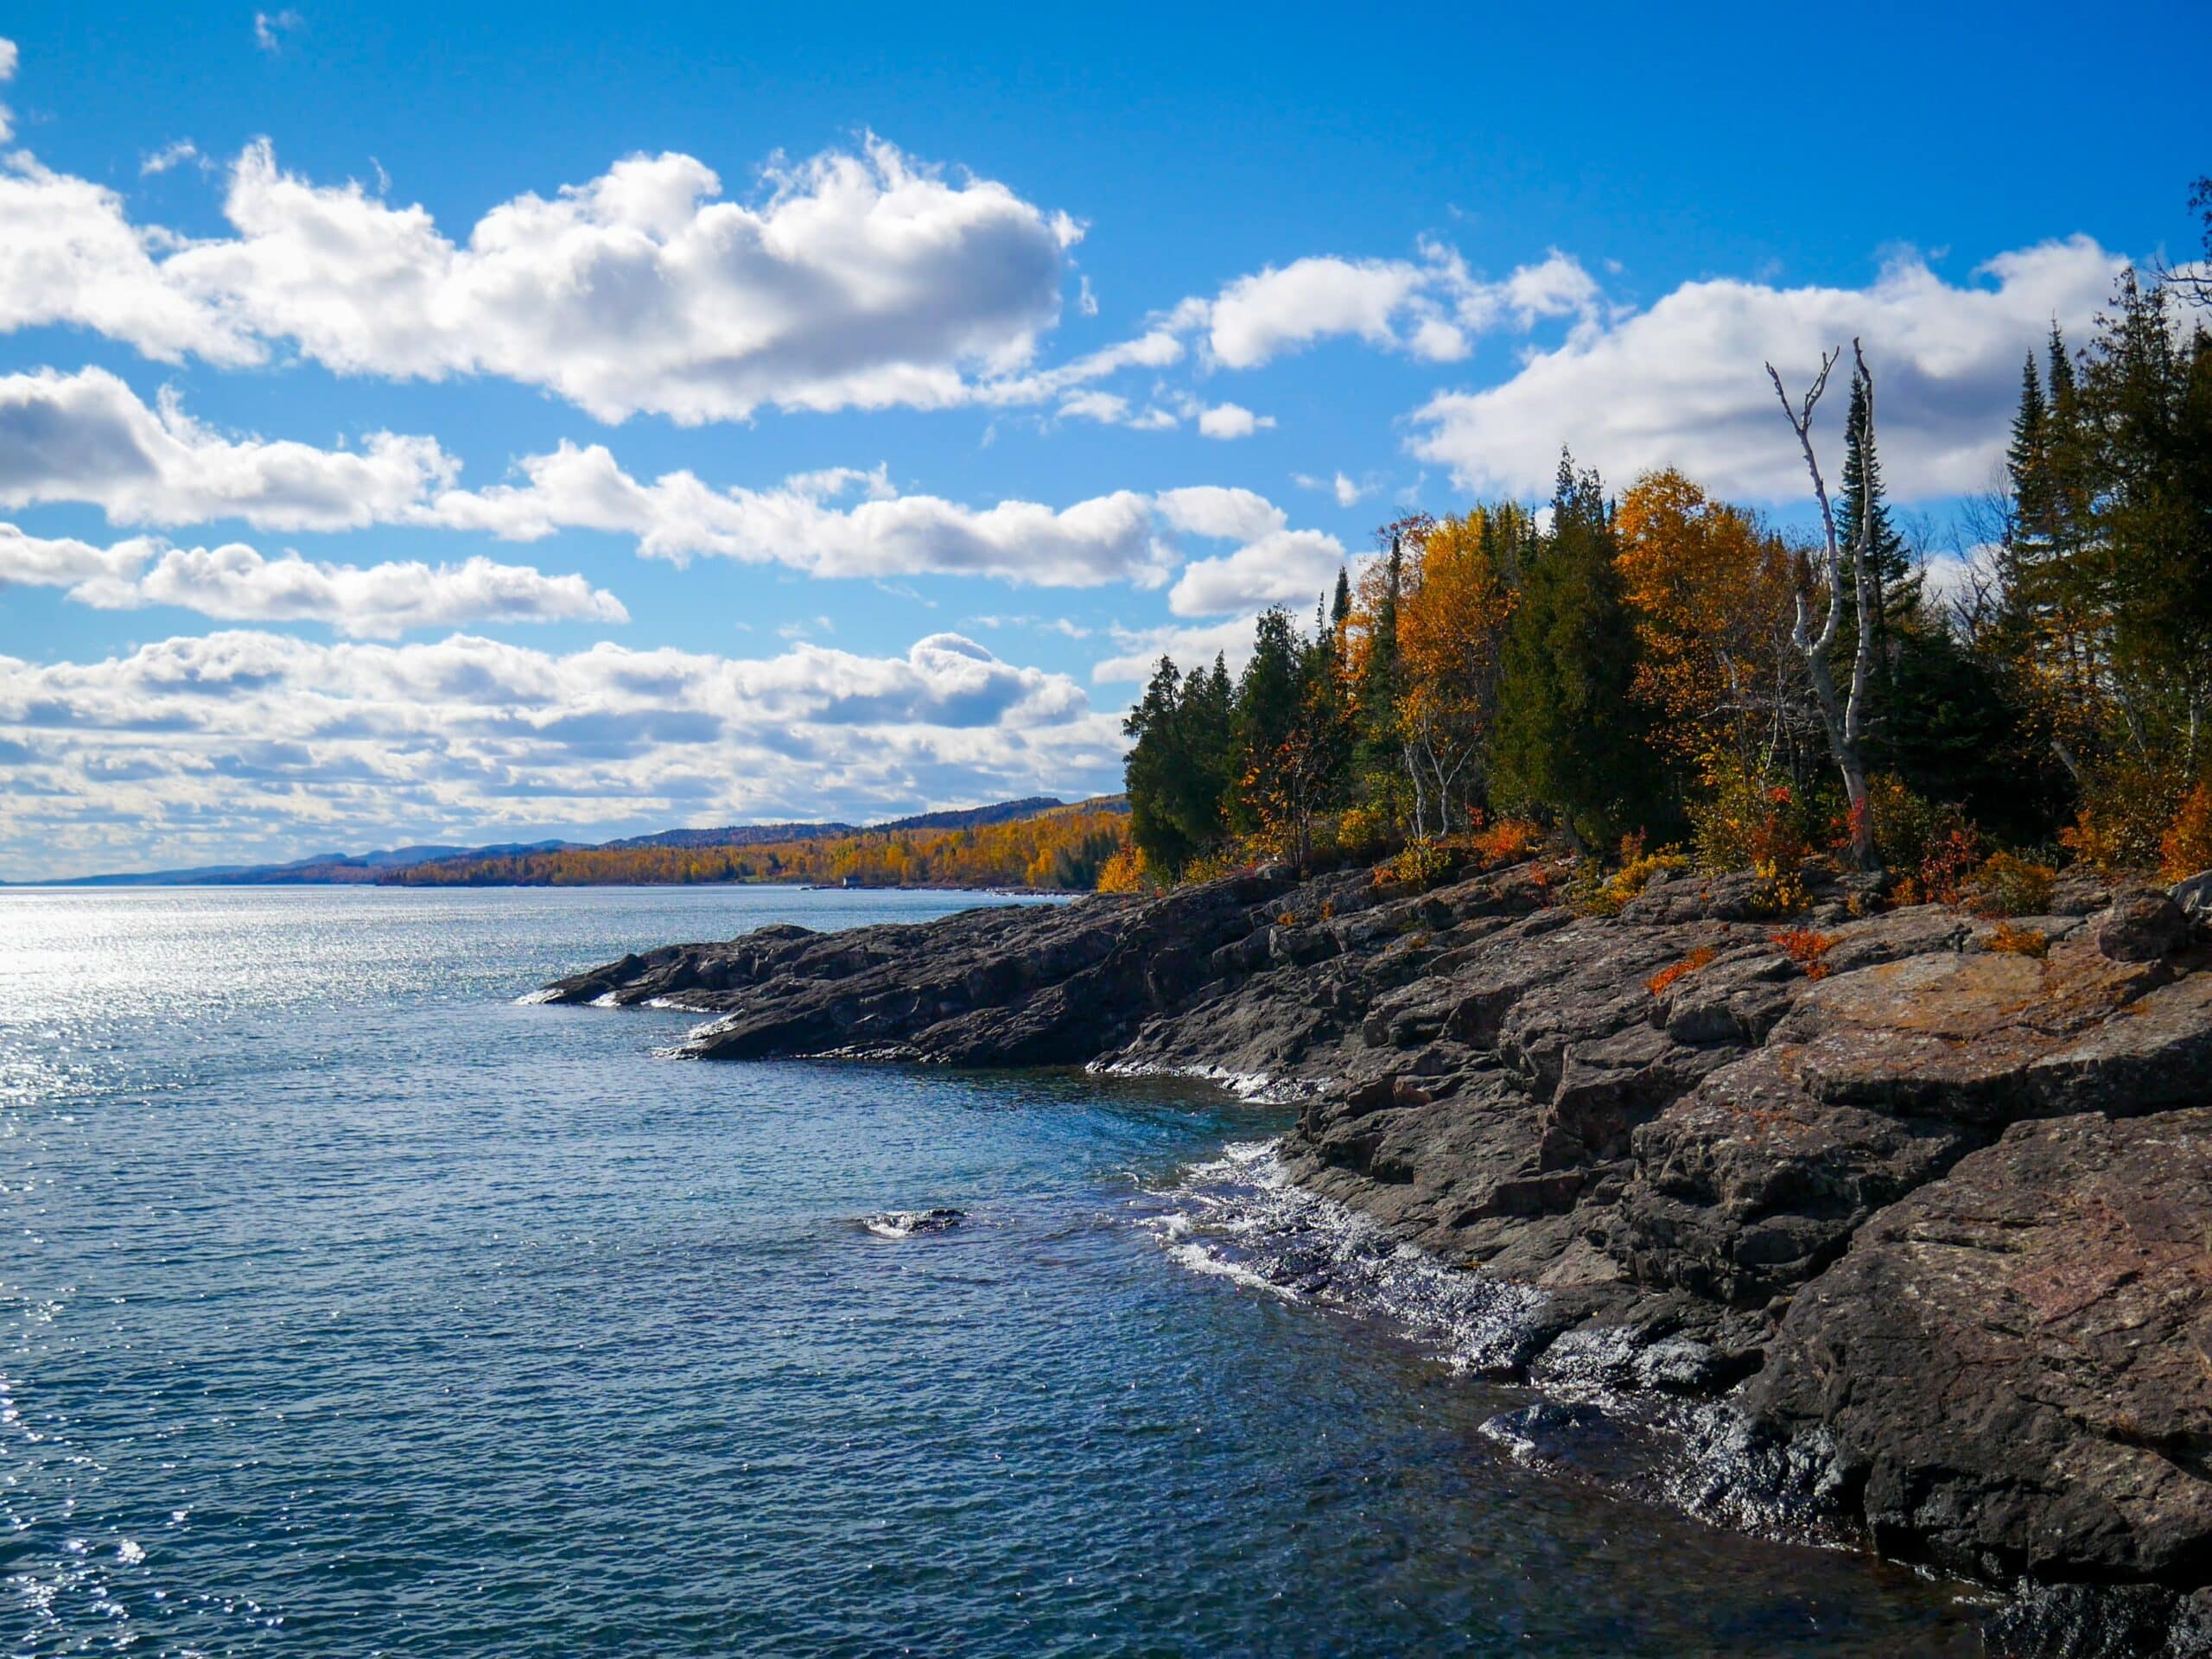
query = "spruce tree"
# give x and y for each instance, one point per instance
(1895, 598)
(1571, 743)
(1374, 698)
(1178, 771)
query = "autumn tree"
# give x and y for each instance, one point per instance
(1451, 620)
(1712, 590)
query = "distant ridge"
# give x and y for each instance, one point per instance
(754, 835)
(360, 868)
(332, 869)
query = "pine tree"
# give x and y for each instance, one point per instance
(1340, 603)
(1571, 741)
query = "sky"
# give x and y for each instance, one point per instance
(422, 423)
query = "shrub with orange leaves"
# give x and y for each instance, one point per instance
(1805, 948)
(2011, 941)
(1507, 841)
(2186, 846)
(1689, 964)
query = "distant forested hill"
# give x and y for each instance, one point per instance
(1040, 843)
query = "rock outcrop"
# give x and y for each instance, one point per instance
(1925, 1201)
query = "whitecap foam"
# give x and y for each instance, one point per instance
(1241, 1218)
(1256, 1086)
(530, 998)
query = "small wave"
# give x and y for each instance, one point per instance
(906, 1223)
(1256, 1086)
(530, 998)
(1241, 1218)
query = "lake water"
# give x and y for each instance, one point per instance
(349, 1306)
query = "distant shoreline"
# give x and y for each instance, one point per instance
(101, 885)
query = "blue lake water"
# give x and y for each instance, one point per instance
(349, 1306)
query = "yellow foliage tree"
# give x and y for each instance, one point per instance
(1712, 589)
(1452, 611)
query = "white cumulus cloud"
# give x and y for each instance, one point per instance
(87, 437)
(185, 750)
(1231, 421)
(856, 280)
(237, 583)
(1682, 383)
(1426, 308)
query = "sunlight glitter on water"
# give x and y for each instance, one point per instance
(351, 1305)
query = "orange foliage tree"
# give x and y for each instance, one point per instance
(1453, 601)
(1712, 588)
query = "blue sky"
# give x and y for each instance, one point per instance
(417, 425)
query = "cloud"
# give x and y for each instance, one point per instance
(1109, 409)
(170, 156)
(270, 28)
(1191, 646)
(69, 255)
(1426, 308)
(801, 524)
(88, 437)
(236, 583)
(1156, 348)
(1231, 421)
(1348, 493)
(1274, 563)
(1259, 317)
(191, 747)
(1681, 384)
(1121, 537)
(862, 280)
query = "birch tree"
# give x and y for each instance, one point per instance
(1843, 715)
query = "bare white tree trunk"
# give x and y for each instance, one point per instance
(1842, 716)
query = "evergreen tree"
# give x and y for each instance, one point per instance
(1894, 601)
(1570, 741)
(1340, 603)
(1293, 734)
(1374, 698)
(1178, 771)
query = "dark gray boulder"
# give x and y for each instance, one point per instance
(2015, 1362)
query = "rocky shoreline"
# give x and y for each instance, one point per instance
(1922, 1201)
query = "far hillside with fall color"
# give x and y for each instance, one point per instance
(1062, 848)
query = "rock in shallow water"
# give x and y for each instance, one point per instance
(906, 1223)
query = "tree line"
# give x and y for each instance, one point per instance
(1661, 669)
(1063, 850)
